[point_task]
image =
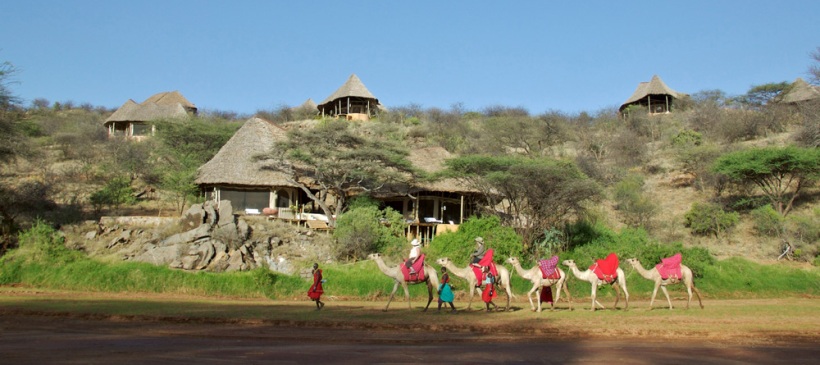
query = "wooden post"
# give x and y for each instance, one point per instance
(461, 214)
(667, 102)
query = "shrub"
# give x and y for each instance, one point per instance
(638, 209)
(458, 245)
(366, 229)
(708, 218)
(116, 192)
(768, 221)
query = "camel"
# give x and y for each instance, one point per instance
(535, 276)
(468, 275)
(655, 276)
(431, 279)
(589, 276)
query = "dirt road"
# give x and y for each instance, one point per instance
(68, 328)
(47, 339)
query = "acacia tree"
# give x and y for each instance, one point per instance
(780, 172)
(339, 161)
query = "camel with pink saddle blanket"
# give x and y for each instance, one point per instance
(423, 274)
(669, 271)
(602, 272)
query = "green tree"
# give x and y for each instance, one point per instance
(780, 172)
(537, 194)
(13, 142)
(760, 95)
(336, 160)
(184, 146)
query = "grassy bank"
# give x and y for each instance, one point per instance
(42, 261)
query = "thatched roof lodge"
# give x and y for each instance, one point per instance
(799, 92)
(235, 174)
(654, 95)
(441, 201)
(133, 120)
(351, 101)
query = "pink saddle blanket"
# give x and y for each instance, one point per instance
(548, 268)
(418, 267)
(606, 269)
(670, 267)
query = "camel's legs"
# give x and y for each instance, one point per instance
(509, 296)
(697, 292)
(654, 294)
(472, 293)
(429, 295)
(666, 293)
(594, 296)
(622, 284)
(392, 294)
(529, 297)
(565, 285)
(407, 295)
(617, 295)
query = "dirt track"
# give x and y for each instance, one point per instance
(64, 327)
(36, 338)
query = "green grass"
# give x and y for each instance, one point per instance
(42, 261)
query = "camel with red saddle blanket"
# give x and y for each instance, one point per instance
(468, 275)
(669, 271)
(603, 272)
(401, 276)
(541, 279)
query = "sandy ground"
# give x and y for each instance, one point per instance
(45, 339)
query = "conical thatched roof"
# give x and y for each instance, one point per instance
(352, 87)
(234, 164)
(145, 112)
(656, 86)
(800, 91)
(170, 98)
(309, 104)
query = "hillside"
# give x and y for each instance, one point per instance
(65, 159)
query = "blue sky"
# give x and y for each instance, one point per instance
(244, 56)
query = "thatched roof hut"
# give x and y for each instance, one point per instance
(654, 95)
(799, 92)
(235, 164)
(352, 101)
(172, 98)
(132, 120)
(235, 174)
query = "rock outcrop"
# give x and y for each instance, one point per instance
(207, 237)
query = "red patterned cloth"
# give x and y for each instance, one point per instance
(486, 261)
(606, 269)
(670, 267)
(546, 294)
(315, 292)
(418, 267)
(489, 292)
(548, 268)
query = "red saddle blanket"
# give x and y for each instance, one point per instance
(606, 269)
(548, 268)
(670, 267)
(487, 260)
(418, 267)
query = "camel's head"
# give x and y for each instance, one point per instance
(633, 261)
(569, 263)
(513, 260)
(374, 256)
(443, 261)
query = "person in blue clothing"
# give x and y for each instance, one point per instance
(445, 291)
